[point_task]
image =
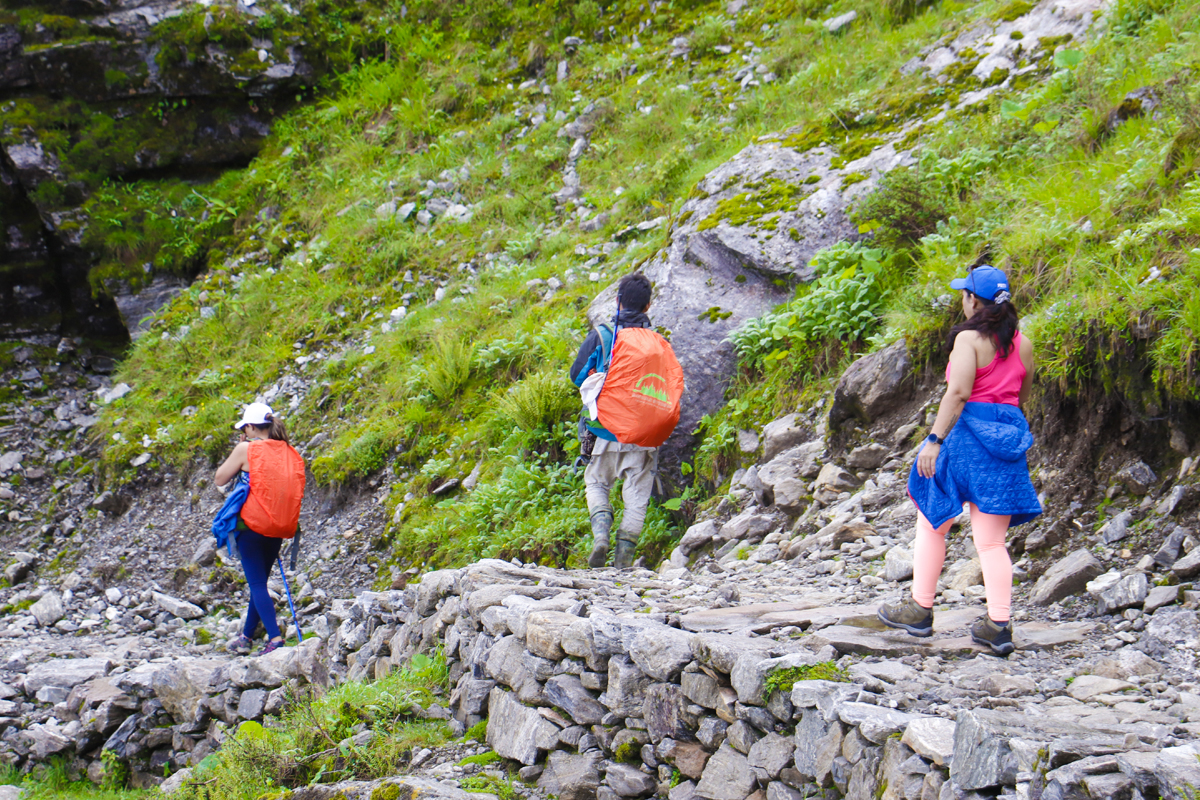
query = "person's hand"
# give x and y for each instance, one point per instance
(927, 459)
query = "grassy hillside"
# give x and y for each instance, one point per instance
(1089, 199)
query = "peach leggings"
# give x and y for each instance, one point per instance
(989, 531)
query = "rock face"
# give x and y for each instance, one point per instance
(121, 61)
(516, 731)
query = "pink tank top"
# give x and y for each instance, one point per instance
(1000, 381)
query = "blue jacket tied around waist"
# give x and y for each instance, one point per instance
(224, 526)
(982, 462)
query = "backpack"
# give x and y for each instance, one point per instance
(272, 507)
(639, 400)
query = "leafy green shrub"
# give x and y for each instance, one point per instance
(843, 303)
(900, 11)
(905, 207)
(540, 400)
(587, 16)
(1128, 17)
(503, 354)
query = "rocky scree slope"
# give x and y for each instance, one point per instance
(749, 662)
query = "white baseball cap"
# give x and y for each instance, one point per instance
(255, 414)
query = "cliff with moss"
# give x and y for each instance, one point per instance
(97, 103)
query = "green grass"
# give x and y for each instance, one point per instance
(1096, 228)
(478, 731)
(483, 759)
(311, 743)
(55, 781)
(490, 784)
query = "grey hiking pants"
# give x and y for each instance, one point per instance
(612, 462)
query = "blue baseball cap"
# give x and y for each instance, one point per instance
(984, 281)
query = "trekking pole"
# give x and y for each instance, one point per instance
(291, 605)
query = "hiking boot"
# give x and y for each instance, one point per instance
(270, 647)
(241, 645)
(601, 525)
(907, 615)
(623, 555)
(996, 636)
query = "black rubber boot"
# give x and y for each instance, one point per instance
(601, 525)
(623, 556)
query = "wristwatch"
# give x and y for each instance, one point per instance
(933, 439)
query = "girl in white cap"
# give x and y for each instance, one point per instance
(270, 515)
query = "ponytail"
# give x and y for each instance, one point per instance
(278, 430)
(275, 429)
(997, 320)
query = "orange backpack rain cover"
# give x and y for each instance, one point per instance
(639, 403)
(276, 488)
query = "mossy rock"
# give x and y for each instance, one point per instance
(767, 197)
(389, 791)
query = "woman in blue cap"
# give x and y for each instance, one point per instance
(974, 454)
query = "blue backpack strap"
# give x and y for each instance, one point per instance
(606, 347)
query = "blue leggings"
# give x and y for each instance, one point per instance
(258, 556)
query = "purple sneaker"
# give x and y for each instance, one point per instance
(270, 647)
(241, 645)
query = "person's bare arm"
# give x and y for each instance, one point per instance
(963, 364)
(1027, 360)
(233, 465)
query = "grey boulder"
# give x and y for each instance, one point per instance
(1115, 593)
(872, 385)
(1067, 577)
(48, 610)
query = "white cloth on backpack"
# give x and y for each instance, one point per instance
(589, 392)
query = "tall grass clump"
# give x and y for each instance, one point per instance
(449, 367)
(538, 401)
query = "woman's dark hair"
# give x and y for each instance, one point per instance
(634, 291)
(997, 321)
(275, 429)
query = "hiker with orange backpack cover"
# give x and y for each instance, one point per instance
(270, 514)
(631, 384)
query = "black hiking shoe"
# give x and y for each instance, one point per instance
(908, 616)
(997, 637)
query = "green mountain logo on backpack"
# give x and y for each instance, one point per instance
(645, 387)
